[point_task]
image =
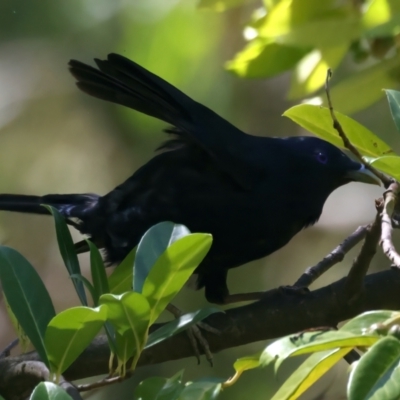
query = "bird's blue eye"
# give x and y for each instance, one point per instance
(322, 158)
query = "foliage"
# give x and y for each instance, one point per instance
(310, 36)
(128, 302)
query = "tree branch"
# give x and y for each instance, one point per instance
(281, 314)
(334, 257)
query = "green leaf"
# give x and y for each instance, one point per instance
(308, 373)
(49, 391)
(370, 82)
(27, 296)
(363, 322)
(388, 164)
(120, 281)
(172, 270)
(221, 5)
(67, 250)
(394, 103)
(69, 333)
(309, 24)
(311, 342)
(160, 388)
(310, 73)
(318, 120)
(246, 363)
(129, 313)
(201, 390)
(86, 282)
(377, 375)
(264, 58)
(178, 325)
(150, 388)
(99, 277)
(382, 18)
(152, 244)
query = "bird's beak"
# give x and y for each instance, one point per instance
(363, 175)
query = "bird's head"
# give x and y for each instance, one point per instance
(325, 165)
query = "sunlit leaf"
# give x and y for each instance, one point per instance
(381, 18)
(363, 322)
(129, 314)
(264, 58)
(69, 333)
(377, 374)
(67, 251)
(172, 270)
(318, 120)
(246, 363)
(394, 103)
(120, 281)
(152, 244)
(27, 296)
(310, 73)
(311, 342)
(308, 373)
(388, 164)
(49, 391)
(178, 325)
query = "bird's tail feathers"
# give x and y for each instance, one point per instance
(122, 81)
(69, 205)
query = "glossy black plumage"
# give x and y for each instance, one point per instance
(252, 193)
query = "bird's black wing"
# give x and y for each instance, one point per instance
(122, 81)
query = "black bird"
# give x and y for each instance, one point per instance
(253, 194)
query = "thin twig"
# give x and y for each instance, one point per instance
(104, 382)
(354, 284)
(334, 257)
(388, 248)
(347, 144)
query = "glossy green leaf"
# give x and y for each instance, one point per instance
(308, 373)
(311, 342)
(69, 333)
(370, 81)
(394, 103)
(377, 375)
(363, 322)
(172, 270)
(27, 296)
(178, 325)
(49, 391)
(318, 120)
(99, 277)
(310, 73)
(129, 314)
(152, 244)
(67, 251)
(388, 164)
(203, 389)
(263, 58)
(120, 281)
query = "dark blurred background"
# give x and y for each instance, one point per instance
(54, 139)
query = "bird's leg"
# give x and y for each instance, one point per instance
(195, 335)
